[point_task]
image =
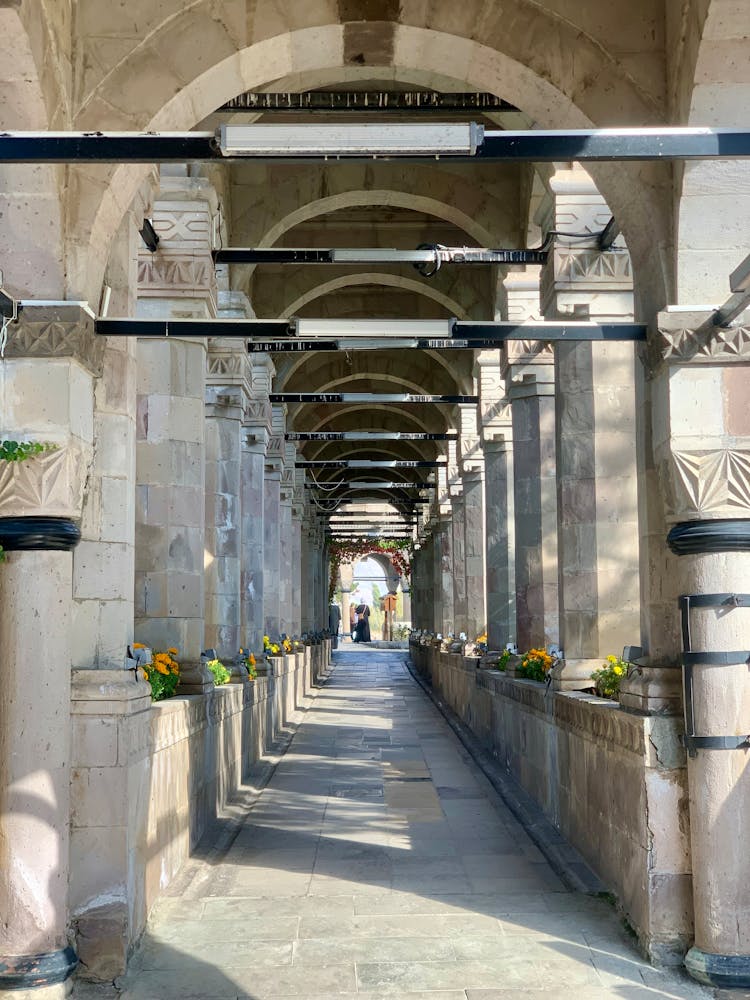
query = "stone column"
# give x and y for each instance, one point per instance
(286, 542)
(474, 549)
(702, 449)
(256, 435)
(308, 573)
(298, 512)
(499, 526)
(497, 450)
(532, 399)
(227, 391)
(458, 541)
(443, 557)
(177, 280)
(272, 588)
(595, 440)
(46, 395)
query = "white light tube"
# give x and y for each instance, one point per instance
(349, 329)
(350, 140)
(390, 256)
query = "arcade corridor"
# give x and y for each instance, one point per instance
(379, 862)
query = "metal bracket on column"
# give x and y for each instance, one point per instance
(690, 740)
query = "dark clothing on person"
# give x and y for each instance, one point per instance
(362, 628)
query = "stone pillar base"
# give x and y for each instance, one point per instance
(195, 678)
(574, 675)
(726, 971)
(45, 976)
(653, 690)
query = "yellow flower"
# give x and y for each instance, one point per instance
(611, 658)
(172, 650)
(617, 670)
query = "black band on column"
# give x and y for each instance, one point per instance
(698, 537)
(29, 972)
(22, 534)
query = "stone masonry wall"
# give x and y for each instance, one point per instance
(148, 779)
(613, 783)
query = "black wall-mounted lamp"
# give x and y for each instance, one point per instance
(149, 236)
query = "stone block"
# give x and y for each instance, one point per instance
(98, 796)
(103, 941)
(99, 568)
(94, 741)
(99, 862)
(117, 518)
(114, 454)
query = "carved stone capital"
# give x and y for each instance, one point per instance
(62, 330)
(684, 337)
(50, 484)
(258, 415)
(226, 366)
(706, 484)
(517, 353)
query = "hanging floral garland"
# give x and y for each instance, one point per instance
(396, 549)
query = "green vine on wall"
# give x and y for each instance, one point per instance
(19, 451)
(397, 550)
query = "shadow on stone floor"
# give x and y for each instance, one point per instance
(321, 880)
(163, 970)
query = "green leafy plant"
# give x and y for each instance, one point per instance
(163, 673)
(535, 665)
(19, 451)
(608, 678)
(502, 661)
(219, 672)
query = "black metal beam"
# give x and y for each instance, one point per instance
(329, 484)
(343, 463)
(233, 328)
(617, 144)
(465, 334)
(530, 146)
(368, 436)
(367, 397)
(302, 255)
(413, 102)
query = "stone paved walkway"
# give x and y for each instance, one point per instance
(378, 862)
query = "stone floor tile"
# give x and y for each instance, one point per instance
(393, 977)
(379, 863)
(236, 949)
(225, 926)
(329, 950)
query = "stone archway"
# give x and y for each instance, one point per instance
(556, 89)
(383, 280)
(712, 88)
(31, 235)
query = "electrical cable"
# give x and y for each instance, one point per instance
(450, 255)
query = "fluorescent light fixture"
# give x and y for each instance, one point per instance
(351, 329)
(367, 256)
(351, 140)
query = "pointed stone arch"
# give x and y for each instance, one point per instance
(576, 82)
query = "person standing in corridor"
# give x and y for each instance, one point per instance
(362, 612)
